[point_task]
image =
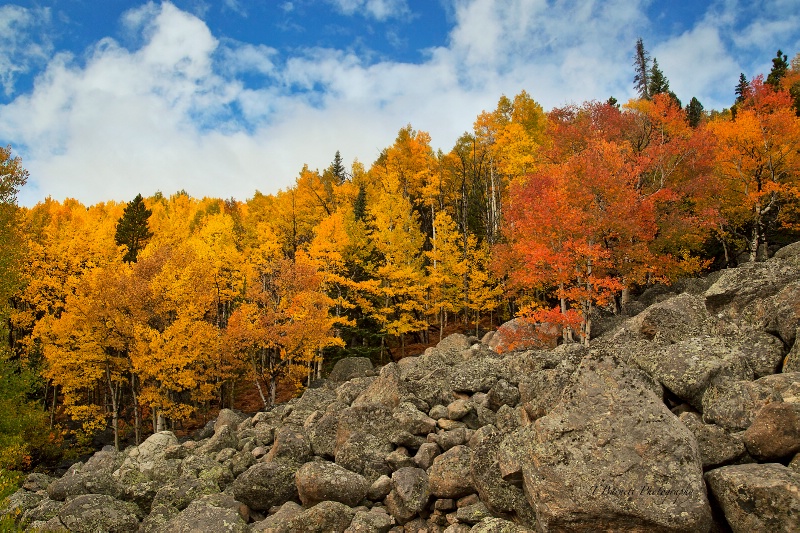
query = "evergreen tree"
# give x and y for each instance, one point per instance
(742, 88)
(779, 67)
(658, 82)
(133, 230)
(694, 112)
(337, 169)
(641, 65)
(360, 205)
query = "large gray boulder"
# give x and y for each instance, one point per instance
(409, 495)
(319, 481)
(449, 476)
(733, 404)
(500, 496)
(265, 485)
(291, 445)
(689, 366)
(672, 320)
(90, 513)
(228, 417)
(210, 514)
(610, 456)
(147, 461)
(757, 497)
(325, 517)
(388, 390)
(278, 522)
(377, 520)
(348, 368)
(739, 287)
(717, 446)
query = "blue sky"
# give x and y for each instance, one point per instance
(106, 99)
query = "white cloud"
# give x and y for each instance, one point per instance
(377, 9)
(174, 111)
(698, 64)
(23, 43)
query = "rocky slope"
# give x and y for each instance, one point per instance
(685, 417)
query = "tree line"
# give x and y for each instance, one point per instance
(139, 315)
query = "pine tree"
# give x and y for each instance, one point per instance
(694, 112)
(658, 82)
(360, 204)
(641, 64)
(742, 88)
(779, 67)
(337, 169)
(133, 231)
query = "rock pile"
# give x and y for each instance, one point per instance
(685, 417)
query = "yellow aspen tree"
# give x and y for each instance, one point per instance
(86, 349)
(447, 268)
(399, 240)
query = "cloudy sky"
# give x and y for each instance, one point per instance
(104, 100)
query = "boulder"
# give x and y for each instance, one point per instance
(498, 525)
(500, 496)
(455, 343)
(449, 476)
(375, 419)
(375, 520)
(365, 454)
(36, 481)
(540, 391)
(409, 494)
(265, 485)
(792, 361)
(319, 481)
(90, 513)
(183, 491)
(763, 352)
(325, 517)
(610, 456)
(44, 511)
(522, 334)
(775, 432)
(739, 287)
(147, 461)
(322, 436)
(348, 368)
(348, 391)
(210, 514)
(677, 318)
(278, 522)
(291, 444)
(689, 366)
(502, 393)
(224, 437)
(474, 375)
(733, 404)
(389, 389)
(717, 446)
(757, 497)
(20, 502)
(787, 313)
(473, 513)
(228, 417)
(425, 455)
(412, 420)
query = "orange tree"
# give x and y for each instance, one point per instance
(758, 163)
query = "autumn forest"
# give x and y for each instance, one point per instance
(129, 317)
